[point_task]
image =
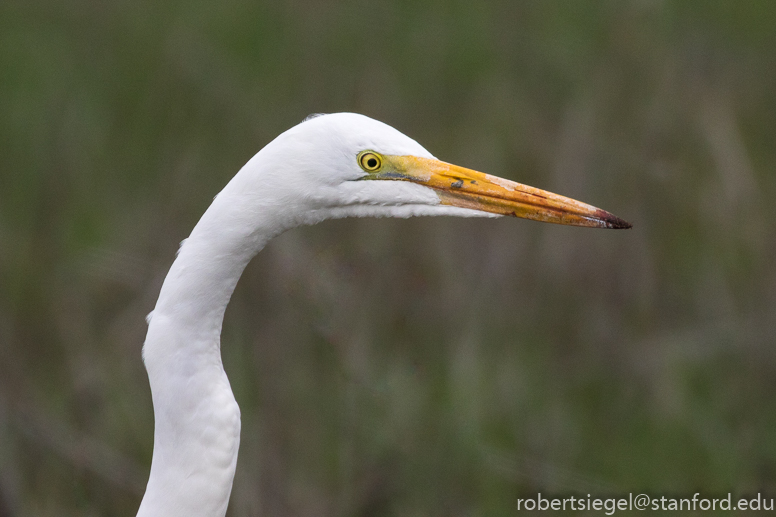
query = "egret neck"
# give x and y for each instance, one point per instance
(197, 420)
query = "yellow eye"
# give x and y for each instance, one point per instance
(370, 162)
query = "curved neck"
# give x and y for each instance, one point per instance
(197, 421)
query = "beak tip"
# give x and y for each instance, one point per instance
(614, 222)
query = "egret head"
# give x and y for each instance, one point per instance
(345, 164)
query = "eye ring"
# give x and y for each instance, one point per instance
(370, 161)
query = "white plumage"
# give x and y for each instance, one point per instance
(319, 169)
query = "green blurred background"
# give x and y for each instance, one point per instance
(398, 367)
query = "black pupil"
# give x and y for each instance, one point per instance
(371, 163)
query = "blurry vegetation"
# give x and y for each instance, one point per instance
(420, 367)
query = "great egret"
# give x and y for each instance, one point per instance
(329, 166)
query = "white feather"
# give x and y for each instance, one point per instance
(306, 175)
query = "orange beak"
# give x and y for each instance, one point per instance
(466, 188)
